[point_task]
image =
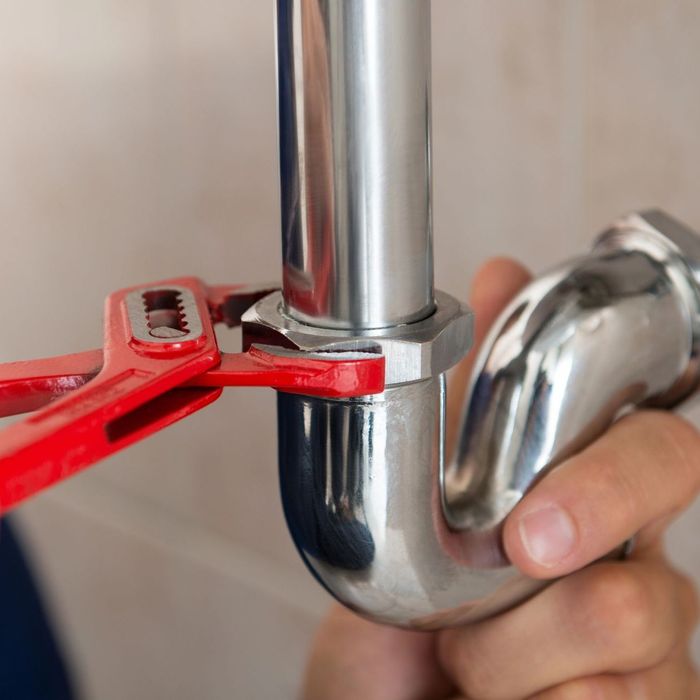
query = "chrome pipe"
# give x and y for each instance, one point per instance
(615, 329)
(381, 520)
(396, 535)
(354, 130)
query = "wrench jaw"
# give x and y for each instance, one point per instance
(160, 363)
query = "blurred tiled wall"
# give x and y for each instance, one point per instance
(137, 141)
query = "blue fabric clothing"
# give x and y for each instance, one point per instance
(31, 663)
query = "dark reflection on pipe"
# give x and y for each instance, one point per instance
(323, 504)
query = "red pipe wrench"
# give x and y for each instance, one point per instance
(160, 362)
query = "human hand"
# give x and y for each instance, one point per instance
(610, 630)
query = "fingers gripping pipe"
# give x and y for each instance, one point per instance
(376, 514)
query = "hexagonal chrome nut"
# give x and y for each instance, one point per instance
(413, 351)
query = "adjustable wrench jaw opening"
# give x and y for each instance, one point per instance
(160, 363)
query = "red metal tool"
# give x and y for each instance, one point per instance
(160, 362)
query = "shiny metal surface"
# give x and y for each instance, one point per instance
(354, 125)
(163, 315)
(413, 351)
(609, 331)
(360, 488)
(380, 519)
(395, 535)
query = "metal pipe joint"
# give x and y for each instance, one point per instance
(379, 517)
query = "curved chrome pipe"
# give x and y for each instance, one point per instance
(577, 346)
(378, 518)
(396, 537)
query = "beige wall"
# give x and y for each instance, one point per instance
(137, 141)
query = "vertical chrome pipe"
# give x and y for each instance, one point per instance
(354, 125)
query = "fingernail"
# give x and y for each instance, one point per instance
(549, 535)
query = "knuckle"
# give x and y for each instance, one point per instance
(618, 613)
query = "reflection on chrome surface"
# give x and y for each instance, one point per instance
(354, 128)
(393, 533)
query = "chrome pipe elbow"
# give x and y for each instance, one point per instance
(401, 538)
(376, 514)
(612, 330)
